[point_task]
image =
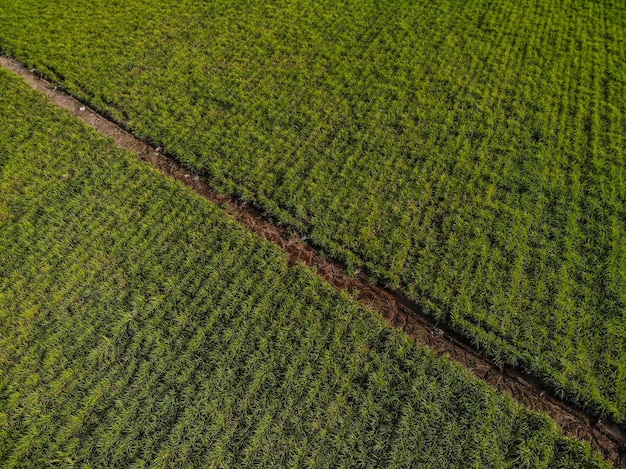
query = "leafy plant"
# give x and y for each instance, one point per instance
(142, 327)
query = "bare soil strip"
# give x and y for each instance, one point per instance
(607, 437)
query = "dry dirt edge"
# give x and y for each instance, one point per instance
(607, 437)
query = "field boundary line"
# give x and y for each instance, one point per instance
(605, 436)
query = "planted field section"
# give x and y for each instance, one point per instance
(470, 154)
(140, 326)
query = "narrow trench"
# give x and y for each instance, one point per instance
(605, 436)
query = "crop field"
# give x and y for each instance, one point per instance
(141, 327)
(469, 154)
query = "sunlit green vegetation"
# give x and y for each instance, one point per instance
(140, 326)
(471, 154)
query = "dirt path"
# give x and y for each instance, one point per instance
(607, 437)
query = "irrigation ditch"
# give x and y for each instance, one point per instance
(605, 436)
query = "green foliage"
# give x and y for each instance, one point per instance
(141, 327)
(470, 154)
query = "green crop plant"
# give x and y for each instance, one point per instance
(141, 327)
(468, 154)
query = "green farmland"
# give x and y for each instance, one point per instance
(141, 327)
(469, 154)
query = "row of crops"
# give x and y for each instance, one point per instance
(469, 154)
(141, 327)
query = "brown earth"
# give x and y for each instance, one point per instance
(605, 436)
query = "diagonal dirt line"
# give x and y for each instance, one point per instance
(607, 437)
